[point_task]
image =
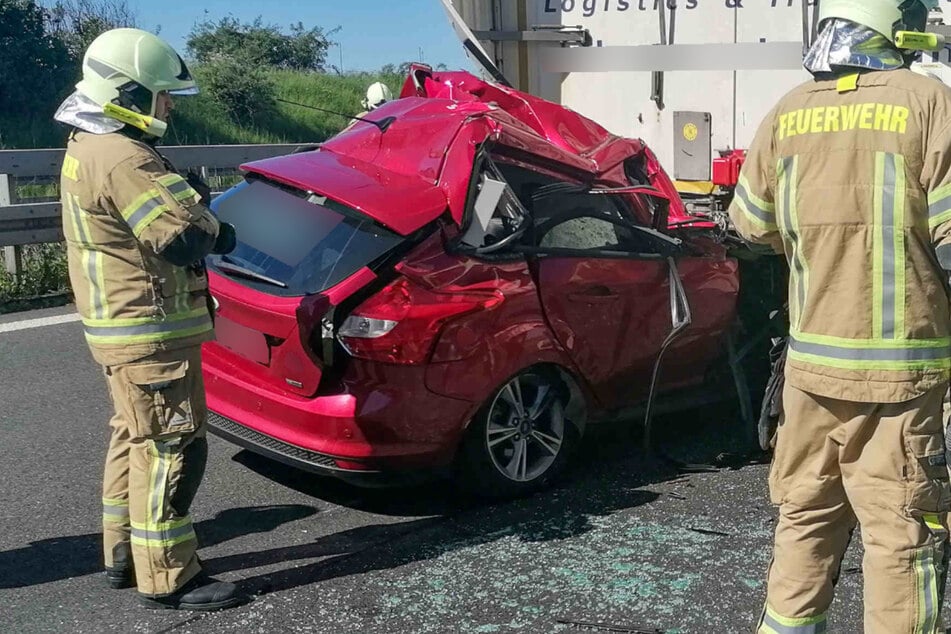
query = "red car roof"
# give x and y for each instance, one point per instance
(407, 176)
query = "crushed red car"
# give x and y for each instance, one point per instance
(467, 281)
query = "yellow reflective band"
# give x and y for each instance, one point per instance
(151, 337)
(158, 483)
(795, 622)
(939, 219)
(90, 256)
(865, 354)
(144, 223)
(877, 246)
(162, 526)
(758, 211)
(939, 194)
(177, 187)
(878, 117)
(103, 296)
(150, 542)
(898, 237)
(926, 582)
(933, 522)
(753, 198)
(939, 206)
(140, 200)
(122, 331)
(888, 247)
(142, 211)
(851, 364)
(751, 213)
(170, 179)
(787, 172)
(115, 511)
(858, 344)
(140, 321)
(70, 168)
(162, 534)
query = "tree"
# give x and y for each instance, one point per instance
(242, 89)
(34, 65)
(403, 69)
(78, 22)
(260, 44)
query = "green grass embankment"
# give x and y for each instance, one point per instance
(197, 120)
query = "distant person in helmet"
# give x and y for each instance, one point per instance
(137, 234)
(377, 95)
(849, 177)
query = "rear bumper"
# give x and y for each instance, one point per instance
(286, 453)
(380, 419)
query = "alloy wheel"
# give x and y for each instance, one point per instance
(526, 428)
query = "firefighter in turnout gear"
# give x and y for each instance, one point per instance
(849, 177)
(137, 233)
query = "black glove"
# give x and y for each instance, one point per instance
(199, 186)
(227, 240)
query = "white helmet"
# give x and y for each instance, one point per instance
(124, 70)
(377, 95)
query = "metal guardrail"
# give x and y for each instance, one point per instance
(24, 223)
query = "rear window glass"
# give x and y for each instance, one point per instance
(307, 243)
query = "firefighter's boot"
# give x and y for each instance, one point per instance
(121, 574)
(202, 593)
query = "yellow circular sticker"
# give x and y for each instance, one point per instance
(690, 132)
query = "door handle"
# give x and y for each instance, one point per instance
(594, 295)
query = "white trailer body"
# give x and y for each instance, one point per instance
(711, 95)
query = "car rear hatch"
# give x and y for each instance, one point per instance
(299, 254)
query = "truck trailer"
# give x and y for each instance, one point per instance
(692, 78)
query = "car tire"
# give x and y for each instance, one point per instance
(521, 440)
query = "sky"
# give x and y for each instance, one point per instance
(373, 32)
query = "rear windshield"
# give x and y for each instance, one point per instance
(306, 243)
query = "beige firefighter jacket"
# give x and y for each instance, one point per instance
(121, 208)
(850, 179)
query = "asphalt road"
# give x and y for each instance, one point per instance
(620, 543)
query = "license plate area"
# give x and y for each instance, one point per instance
(243, 341)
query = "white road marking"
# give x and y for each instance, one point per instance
(38, 323)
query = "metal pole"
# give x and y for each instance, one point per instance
(12, 256)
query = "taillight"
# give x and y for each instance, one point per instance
(400, 324)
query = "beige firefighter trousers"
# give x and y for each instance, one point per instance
(154, 465)
(883, 466)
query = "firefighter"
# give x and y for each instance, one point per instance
(849, 176)
(377, 94)
(136, 234)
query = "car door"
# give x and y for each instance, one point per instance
(609, 310)
(606, 295)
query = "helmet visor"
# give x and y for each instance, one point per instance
(184, 92)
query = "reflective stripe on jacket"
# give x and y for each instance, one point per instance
(121, 207)
(851, 180)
